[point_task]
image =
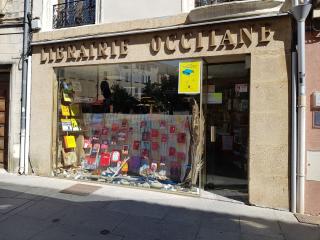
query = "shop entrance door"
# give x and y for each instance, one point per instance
(227, 129)
(4, 117)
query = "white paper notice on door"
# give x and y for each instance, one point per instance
(241, 88)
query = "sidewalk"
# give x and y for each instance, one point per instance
(33, 208)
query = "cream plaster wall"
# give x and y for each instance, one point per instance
(109, 11)
(126, 10)
(269, 109)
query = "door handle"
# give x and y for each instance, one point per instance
(212, 133)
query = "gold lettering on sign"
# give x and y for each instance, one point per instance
(265, 34)
(227, 39)
(199, 40)
(155, 44)
(124, 47)
(71, 52)
(91, 50)
(83, 52)
(43, 57)
(102, 49)
(113, 49)
(59, 53)
(185, 41)
(170, 42)
(247, 33)
(212, 39)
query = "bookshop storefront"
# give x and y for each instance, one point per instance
(116, 109)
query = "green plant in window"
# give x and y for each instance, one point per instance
(121, 100)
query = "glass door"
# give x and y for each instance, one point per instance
(227, 128)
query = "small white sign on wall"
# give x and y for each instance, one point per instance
(313, 165)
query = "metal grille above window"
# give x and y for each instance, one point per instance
(74, 13)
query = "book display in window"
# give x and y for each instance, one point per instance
(69, 126)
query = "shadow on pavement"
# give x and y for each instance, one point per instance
(51, 215)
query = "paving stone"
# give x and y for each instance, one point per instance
(21, 228)
(225, 224)
(130, 214)
(212, 234)
(179, 231)
(138, 209)
(95, 219)
(137, 227)
(298, 231)
(284, 216)
(183, 215)
(260, 226)
(142, 238)
(59, 232)
(248, 236)
(4, 193)
(29, 196)
(45, 209)
(16, 210)
(9, 204)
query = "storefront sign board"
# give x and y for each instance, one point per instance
(169, 43)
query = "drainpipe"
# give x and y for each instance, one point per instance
(25, 52)
(28, 109)
(293, 185)
(300, 13)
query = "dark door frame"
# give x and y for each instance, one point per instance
(5, 83)
(205, 83)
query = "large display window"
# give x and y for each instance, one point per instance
(126, 124)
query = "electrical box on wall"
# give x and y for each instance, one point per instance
(315, 100)
(313, 165)
(36, 24)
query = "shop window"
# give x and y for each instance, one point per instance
(125, 132)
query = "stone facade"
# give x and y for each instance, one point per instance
(11, 31)
(266, 41)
